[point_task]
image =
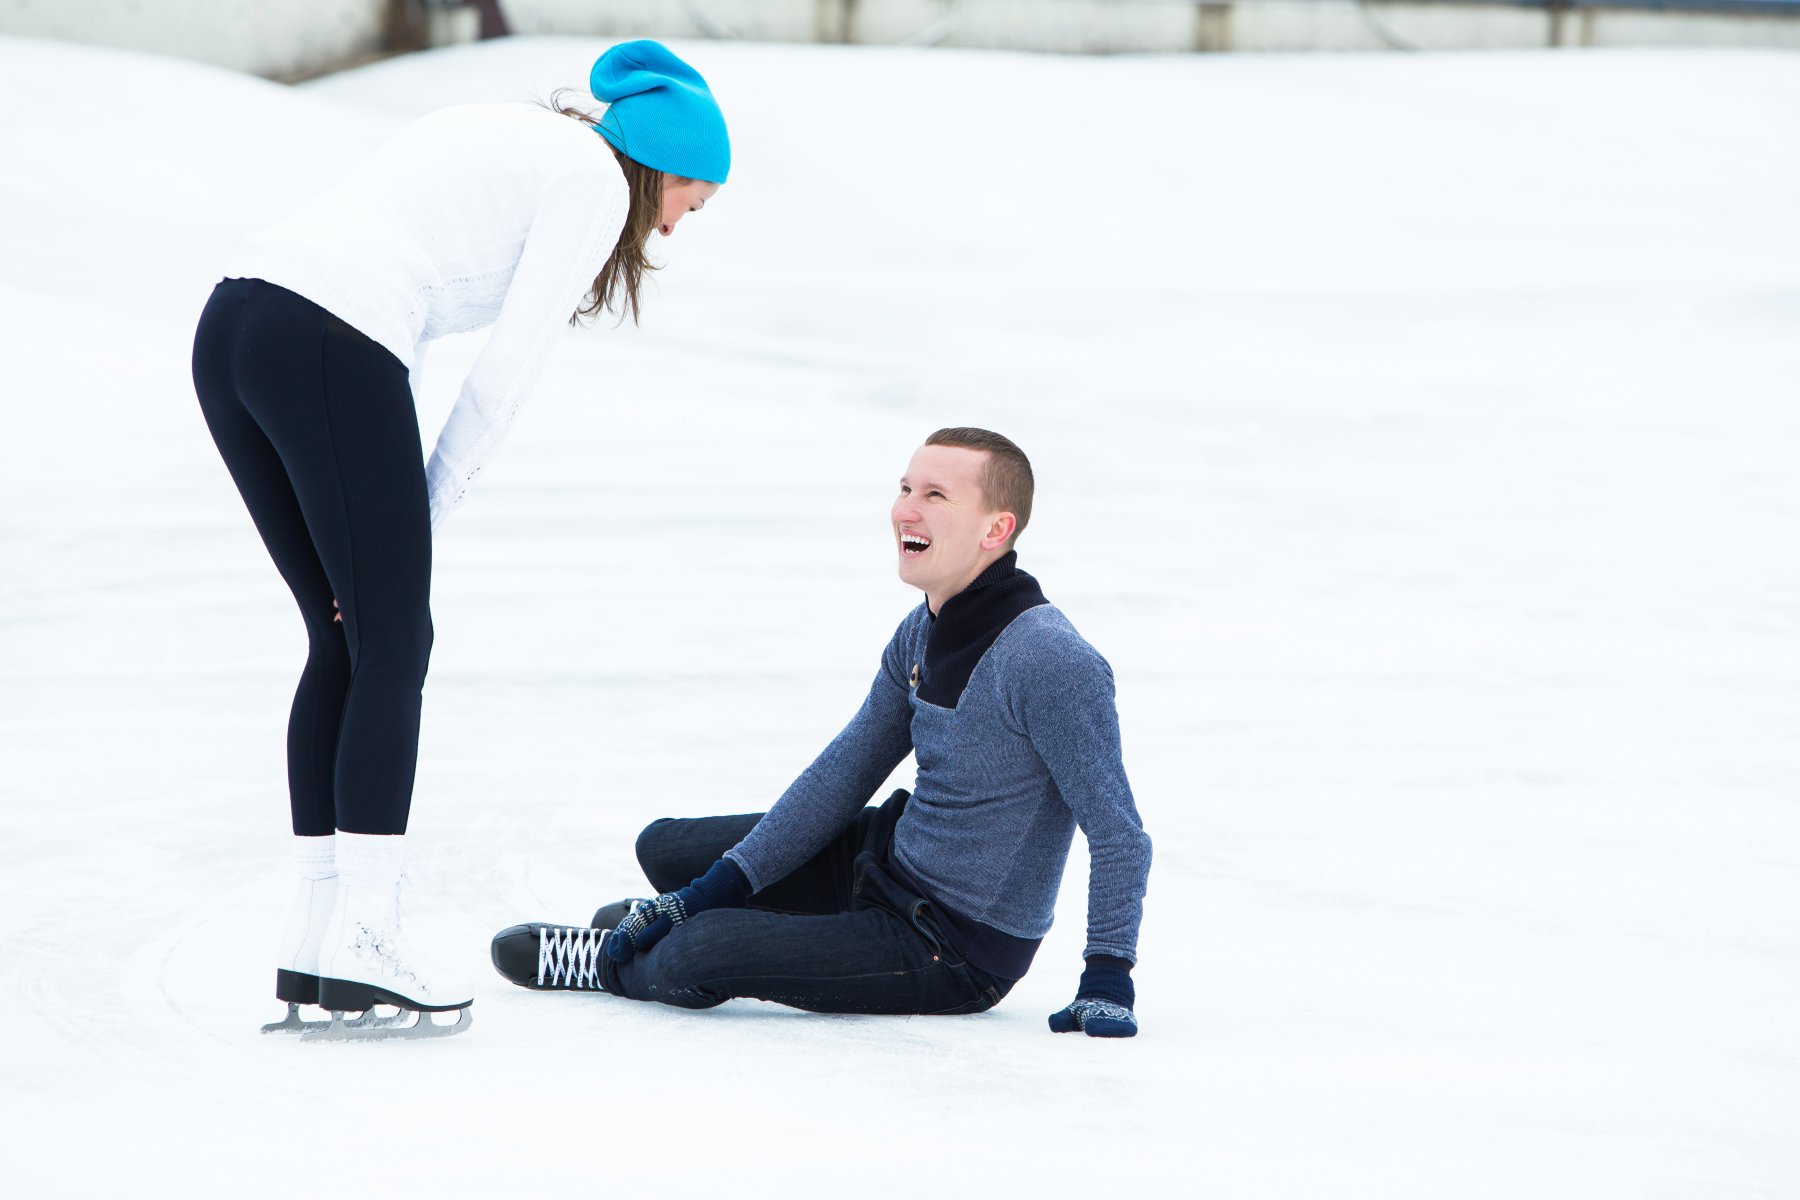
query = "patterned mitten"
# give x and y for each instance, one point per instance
(723, 886)
(1103, 1000)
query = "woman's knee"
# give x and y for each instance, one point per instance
(325, 642)
(396, 648)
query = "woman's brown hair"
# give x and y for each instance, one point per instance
(625, 268)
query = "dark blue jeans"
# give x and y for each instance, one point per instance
(838, 934)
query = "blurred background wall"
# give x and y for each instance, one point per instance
(288, 39)
(278, 38)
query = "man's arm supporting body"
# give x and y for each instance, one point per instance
(1063, 697)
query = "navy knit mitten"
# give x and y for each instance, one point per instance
(1103, 1000)
(723, 886)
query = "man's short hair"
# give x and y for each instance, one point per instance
(1006, 481)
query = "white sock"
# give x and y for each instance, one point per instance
(316, 857)
(370, 858)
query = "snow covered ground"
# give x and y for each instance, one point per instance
(1416, 435)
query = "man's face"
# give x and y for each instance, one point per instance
(942, 524)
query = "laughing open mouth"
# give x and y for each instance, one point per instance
(913, 543)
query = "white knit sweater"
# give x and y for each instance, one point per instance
(493, 214)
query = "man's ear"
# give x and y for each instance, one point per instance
(1001, 529)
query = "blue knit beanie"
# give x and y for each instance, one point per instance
(660, 112)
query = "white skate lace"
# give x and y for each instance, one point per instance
(569, 957)
(402, 885)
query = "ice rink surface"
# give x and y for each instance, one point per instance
(1416, 435)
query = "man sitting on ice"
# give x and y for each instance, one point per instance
(933, 902)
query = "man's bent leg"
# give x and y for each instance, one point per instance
(675, 851)
(868, 961)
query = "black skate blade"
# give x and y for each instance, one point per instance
(292, 1022)
(341, 1030)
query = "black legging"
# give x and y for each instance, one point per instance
(317, 426)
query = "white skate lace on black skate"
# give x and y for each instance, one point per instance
(569, 957)
(551, 957)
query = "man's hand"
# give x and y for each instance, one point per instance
(1103, 1000)
(723, 886)
(1096, 1018)
(649, 922)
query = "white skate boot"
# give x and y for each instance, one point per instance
(297, 962)
(367, 960)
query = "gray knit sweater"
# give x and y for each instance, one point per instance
(1028, 750)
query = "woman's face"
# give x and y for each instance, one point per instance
(681, 197)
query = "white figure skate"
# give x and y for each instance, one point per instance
(366, 960)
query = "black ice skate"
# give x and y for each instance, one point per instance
(549, 958)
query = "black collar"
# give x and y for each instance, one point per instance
(967, 625)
